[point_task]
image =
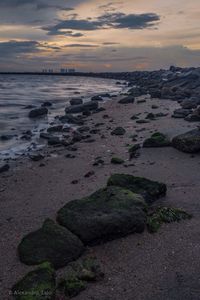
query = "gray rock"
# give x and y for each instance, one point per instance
(190, 103)
(127, 100)
(69, 118)
(181, 113)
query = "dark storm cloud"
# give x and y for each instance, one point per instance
(110, 20)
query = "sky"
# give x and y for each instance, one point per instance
(99, 35)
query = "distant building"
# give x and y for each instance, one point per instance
(64, 71)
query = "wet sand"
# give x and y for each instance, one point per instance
(143, 266)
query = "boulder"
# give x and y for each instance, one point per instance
(188, 142)
(38, 112)
(52, 243)
(127, 100)
(39, 284)
(150, 190)
(157, 140)
(105, 215)
(76, 101)
(91, 105)
(118, 131)
(181, 113)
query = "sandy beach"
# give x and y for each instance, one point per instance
(164, 265)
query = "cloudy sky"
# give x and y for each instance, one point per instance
(99, 35)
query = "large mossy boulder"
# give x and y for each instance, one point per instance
(39, 284)
(150, 190)
(52, 243)
(106, 214)
(188, 142)
(157, 140)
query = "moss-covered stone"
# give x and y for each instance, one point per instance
(37, 285)
(117, 161)
(51, 243)
(78, 275)
(118, 131)
(188, 142)
(150, 190)
(107, 214)
(165, 215)
(157, 140)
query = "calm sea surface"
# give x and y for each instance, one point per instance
(18, 91)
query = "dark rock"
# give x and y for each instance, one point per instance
(108, 213)
(38, 112)
(160, 115)
(193, 118)
(70, 156)
(46, 104)
(56, 128)
(83, 129)
(89, 174)
(51, 243)
(150, 116)
(127, 100)
(54, 140)
(134, 151)
(141, 101)
(91, 105)
(39, 284)
(98, 110)
(190, 103)
(4, 168)
(117, 161)
(69, 118)
(154, 106)
(181, 113)
(29, 106)
(96, 98)
(46, 136)
(157, 140)
(118, 131)
(188, 142)
(150, 190)
(142, 121)
(76, 101)
(6, 137)
(74, 181)
(36, 156)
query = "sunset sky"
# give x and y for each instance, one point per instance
(99, 35)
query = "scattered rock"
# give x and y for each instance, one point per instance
(181, 113)
(46, 104)
(142, 121)
(150, 116)
(134, 151)
(96, 98)
(118, 131)
(127, 100)
(36, 156)
(157, 140)
(188, 142)
(69, 118)
(38, 112)
(51, 243)
(56, 128)
(150, 190)
(117, 161)
(76, 101)
(89, 174)
(108, 213)
(91, 105)
(4, 168)
(39, 284)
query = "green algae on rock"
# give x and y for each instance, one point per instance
(157, 140)
(105, 215)
(165, 215)
(36, 285)
(188, 142)
(150, 190)
(117, 161)
(52, 243)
